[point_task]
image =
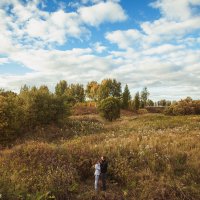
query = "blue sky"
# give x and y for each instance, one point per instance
(142, 43)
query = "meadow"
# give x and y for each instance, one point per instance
(151, 157)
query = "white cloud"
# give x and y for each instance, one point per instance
(171, 28)
(3, 60)
(124, 39)
(163, 30)
(98, 47)
(171, 9)
(27, 23)
(173, 69)
(56, 28)
(97, 1)
(153, 33)
(163, 49)
(102, 12)
(176, 9)
(160, 54)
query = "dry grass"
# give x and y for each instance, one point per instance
(151, 156)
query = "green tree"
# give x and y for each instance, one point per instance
(162, 102)
(126, 97)
(76, 92)
(144, 97)
(137, 101)
(24, 88)
(109, 108)
(60, 109)
(150, 102)
(42, 107)
(109, 88)
(10, 117)
(7, 93)
(44, 88)
(92, 90)
(61, 88)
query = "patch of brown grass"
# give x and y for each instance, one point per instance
(150, 157)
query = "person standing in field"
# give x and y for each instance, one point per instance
(97, 174)
(104, 166)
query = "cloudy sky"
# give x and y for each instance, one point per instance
(153, 43)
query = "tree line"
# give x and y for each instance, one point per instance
(97, 92)
(38, 106)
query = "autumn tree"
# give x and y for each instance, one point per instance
(92, 90)
(109, 88)
(184, 107)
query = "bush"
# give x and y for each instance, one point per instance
(109, 108)
(37, 169)
(30, 109)
(155, 109)
(184, 107)
(10, 118)
(85, 108)
(41, 107)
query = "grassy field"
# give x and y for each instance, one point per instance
(151, 157)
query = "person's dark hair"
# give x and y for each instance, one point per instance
(103, 157)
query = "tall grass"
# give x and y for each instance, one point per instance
(150, 157)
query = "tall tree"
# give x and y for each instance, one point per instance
(76, 92)
(144, 97)
(109, 88)
(44, 88)
(61, 88)
(10, 117)
(150, 102)
(92, 90)
(126, 97)
(137, 101)
(24, 88)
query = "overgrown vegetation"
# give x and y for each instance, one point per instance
(35, 107)
(31, 108)
(150, 157)
(184, 107)
(48, 154)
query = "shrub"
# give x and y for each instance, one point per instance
(10, 118)
(41, 107)
(155, 109)
(37, 169)
(109, 108)
(142, 111)
(30, 109)
(85, 108)
(184, 107)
